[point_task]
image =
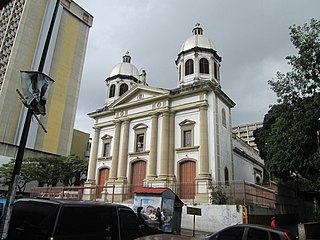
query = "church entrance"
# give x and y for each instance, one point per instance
(138, 175)
(187, 176)
(103, 177)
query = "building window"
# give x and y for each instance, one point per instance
(106, 145)
(112, 91)
(187, 138)
(123, 88)
(226, 176)
(106, 150)
(224, 119)
(188, 67)
(140, 137)
(187, 133)
(215, 70)
(204, 65)
(140, 142)
(179, 73)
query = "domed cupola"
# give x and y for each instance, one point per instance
(198, 60)
(123, 76)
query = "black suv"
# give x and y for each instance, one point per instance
(40, 219)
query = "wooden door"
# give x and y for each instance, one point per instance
(187, 176)
(103, 177)
(138, 175)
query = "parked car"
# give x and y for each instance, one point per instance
(69, 220)
(167, 237)
(251, 232)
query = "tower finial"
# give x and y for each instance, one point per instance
(197, 30)
(126, 57)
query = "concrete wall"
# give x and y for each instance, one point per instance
(213, 217)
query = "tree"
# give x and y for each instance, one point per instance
(304, 79)
(74, 171)
(28, 172)
(288, 139)
(51, 170)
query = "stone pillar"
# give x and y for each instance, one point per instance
(196, 67)
(164, 158)
(115, 152)
(152, 166)
(124, 151)
(88, 193)
(171, 145)
(204, 151)
(92, 168)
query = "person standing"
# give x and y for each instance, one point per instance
(159, 217)
(273, 222)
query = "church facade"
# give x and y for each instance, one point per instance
(179, 138)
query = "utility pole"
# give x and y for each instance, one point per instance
(33, 107)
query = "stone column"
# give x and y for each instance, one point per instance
(92, 168)
(164, 158)
(171, 145)
(124, 150)
(152, 167)
(204, 151)
(115, 152)
(196, 67)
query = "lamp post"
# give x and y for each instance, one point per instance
(35, 85)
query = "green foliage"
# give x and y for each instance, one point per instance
(68, 170)
(288, 140)
(217, 195)
(304, 79)
(27, 174)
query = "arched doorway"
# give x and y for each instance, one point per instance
(187, 176)
(138, 175)
(103, 177)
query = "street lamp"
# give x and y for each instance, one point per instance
(35, 86)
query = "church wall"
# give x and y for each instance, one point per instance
(247, 162)
(186, 100)
(192, 115)
(225, 142)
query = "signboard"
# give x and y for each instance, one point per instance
(194, 211)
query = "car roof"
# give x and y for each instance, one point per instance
(66, 202)
(256, 226)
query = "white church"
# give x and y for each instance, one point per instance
(178, 138)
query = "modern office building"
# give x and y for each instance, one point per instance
(24, 28)
(245, 132)
(179, 138)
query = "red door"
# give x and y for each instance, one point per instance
(187, 176)
(103, 177)
(138, 175)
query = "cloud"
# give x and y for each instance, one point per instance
(251, 36)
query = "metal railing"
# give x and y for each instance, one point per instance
(236, 192)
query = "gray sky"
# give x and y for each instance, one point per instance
(251, 36)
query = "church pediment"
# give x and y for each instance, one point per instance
(139, 94)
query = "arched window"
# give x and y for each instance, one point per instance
(226, 176)
(123, 88)
(112, 90)
(204, 65)
(224, 118)
(188, 67)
